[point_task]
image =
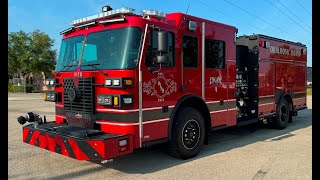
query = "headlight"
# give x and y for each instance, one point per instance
(47, 82)
(52, 96)
(105, 100)
(115, 100)
(127, 100)
(52, 82)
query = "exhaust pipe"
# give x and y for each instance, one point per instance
(31, 117)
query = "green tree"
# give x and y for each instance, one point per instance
(18, 53)
(30, 53)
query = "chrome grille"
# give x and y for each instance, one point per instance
(85, 102)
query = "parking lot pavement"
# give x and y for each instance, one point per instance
(249, 152)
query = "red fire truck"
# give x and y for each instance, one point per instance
(125, 81)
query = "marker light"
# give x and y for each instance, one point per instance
(52, 82)
(128, 82)
(116, 82)
(108, 82)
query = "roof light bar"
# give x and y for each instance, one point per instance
(106, 8)
(121, 11)
(67, 31)
(87, 24)
(112, 20)
(153, 13)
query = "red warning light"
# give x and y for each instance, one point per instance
(261, 43)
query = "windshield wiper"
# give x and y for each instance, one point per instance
(66, 67)
(95, 66)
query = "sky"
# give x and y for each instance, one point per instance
(286, 19)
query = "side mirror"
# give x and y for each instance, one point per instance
(163, 48)
(163, 41)
(162, 59)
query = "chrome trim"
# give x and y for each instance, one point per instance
(69, 30)
(112, 20)
(203, 59)
(87, 24)
(140, 86)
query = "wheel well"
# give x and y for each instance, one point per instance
(194, 102)
(288, 98)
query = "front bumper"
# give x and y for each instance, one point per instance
(76, 142)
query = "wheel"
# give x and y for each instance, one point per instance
(283, 115)
(188, 134)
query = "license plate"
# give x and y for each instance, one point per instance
(79, 119)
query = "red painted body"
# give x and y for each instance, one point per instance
(281, 72)
(276, 72)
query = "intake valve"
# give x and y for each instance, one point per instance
(30, 117)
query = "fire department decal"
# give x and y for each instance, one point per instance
(160, 87)
(216, 80)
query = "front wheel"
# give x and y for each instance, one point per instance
(188, 134)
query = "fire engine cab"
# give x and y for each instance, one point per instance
(125, 81)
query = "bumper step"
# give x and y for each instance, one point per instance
(76, 142)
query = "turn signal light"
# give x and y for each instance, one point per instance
(124, 148)
(116, 101)
(128, 82)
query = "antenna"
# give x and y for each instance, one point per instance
(188, 7)
(185, 13)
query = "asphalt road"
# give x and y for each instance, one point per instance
(249, 152)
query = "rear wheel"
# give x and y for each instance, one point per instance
(283, 115)
(188, 134)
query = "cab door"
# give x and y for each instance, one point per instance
(191, 57)
(216, 81)
(159, 87)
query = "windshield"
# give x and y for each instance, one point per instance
(111, 49)
(70, 52)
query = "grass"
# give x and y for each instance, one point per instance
(309, 91)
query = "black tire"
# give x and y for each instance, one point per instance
(283, 115)
(188, 134)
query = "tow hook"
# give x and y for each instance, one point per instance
(32, 118)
